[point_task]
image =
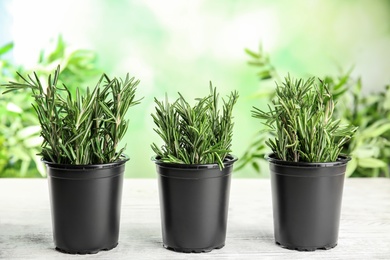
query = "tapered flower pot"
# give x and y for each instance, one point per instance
(85, 205)
(194, 201)
(306, 200)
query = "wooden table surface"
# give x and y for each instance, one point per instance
(25, 223)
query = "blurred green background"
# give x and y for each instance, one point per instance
(179, 46)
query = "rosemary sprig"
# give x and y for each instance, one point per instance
(80, 129)
(301, 119)
(197, 134)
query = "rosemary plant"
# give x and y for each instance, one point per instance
(301, 120)
(82, 129)
(196, 134)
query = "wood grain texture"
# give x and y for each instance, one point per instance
(25, 223)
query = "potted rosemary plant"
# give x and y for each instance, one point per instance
(306, 167)
(194, 169)
(85, 166)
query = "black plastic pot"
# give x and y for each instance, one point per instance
(306, 201)
(194, 201)
(85, 204)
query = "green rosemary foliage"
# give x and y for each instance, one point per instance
(196, 134)
(81, 129)
(301, 119)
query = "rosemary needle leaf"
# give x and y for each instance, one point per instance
(85, 129)
(198, 134)
(301, 119)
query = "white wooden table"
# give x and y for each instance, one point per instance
(25, 223)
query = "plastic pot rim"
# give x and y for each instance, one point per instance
(123, 159)
(341, 160)
(228, 161)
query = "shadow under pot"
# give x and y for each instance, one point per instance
(85, 205)
(306, 200)
(194, 202)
